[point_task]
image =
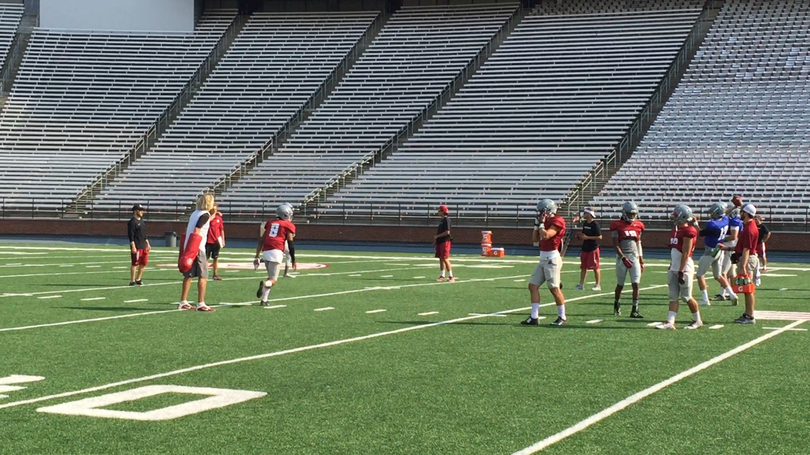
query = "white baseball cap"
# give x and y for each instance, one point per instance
(749, 209)
(589, 212)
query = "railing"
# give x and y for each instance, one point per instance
(13, 59)
(593, 182)
(169, 114)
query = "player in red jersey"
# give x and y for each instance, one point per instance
(549, 231)
(681, 267)
(215, 241)
(626, 234)
(271, 249)
(745, 253)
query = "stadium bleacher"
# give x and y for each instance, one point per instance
(275, 65)
(736, 124)
(82, 99)
(414, 58)
(548, 105)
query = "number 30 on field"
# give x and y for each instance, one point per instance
(94, 407)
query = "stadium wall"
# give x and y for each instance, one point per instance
(502, 237)
(118, 15)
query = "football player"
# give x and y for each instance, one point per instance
(681, 267)
(729, 269)
(626, 234)
(549, 230)
(271, 249)
(713, 254)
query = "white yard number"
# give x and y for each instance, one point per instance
(93, 407)
(274, 229)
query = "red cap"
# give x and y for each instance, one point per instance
(443, 208)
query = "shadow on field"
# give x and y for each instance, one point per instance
(106, 308)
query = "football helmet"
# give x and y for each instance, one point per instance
(285, 211)
(546, 207)
(717, 210)
(629, 211)
(734, 213)
(681, 214)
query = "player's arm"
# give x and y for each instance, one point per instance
(536, 232)
(291, 248)
(687, 246)
(441, 234)
(743, 262)
(260, 245)
(148, 245)
(733, 234)
(766, 237)
(617, 245)
(545, 234)
(640, 251)
(131, 235)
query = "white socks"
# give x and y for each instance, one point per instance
(535, 310)
(727, 291)
(561, 311)
(696, 317)
(442, 273)
(671, 317)
(705, 294)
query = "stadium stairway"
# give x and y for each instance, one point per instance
(593, 183)
(80, 206)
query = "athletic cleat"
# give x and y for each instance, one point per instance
(262, 302)
(734, 300)
(531, 321)
(559, 322)
(185, 306)
(745, 319)
(206, 309)
(597, 288)
(217, 278)
(757, 282)
(579, 287)
(617, 309)
(704, 302)
(452, 278)
(287, 275)
(666, 326)
(139, 282)
(132, 283)
(694, 325)
(636, 315)
(719, 298)
(441, 278)
(260, 291)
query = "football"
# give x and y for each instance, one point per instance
(737, 200)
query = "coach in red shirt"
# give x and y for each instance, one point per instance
(215, 241)
(748, 262)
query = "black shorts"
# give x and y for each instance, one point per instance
(212, 250)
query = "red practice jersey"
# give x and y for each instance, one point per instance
(677, 236)
(554, 243)
(215, 229)
(275, 234)
(627, 230)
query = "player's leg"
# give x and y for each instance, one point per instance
(686, 295)
(535, 281)
(143, 261)
(273, 270)
(635, 280)
(200, 270)
(133, 267)
(583, 270)
(597, 272)
(447, 265)
(719, 276)
(184, 305)
(552, 272)
(674, 289)
(438, 249)
(621, 276)
(704, 265)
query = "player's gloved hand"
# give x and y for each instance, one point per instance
(256, 264)
(627, 262)
(641, 263)
(681, 278)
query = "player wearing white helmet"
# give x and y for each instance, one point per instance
(713, 255)
(271, 248)
(626, 234)
(548, 233)
(681, 267)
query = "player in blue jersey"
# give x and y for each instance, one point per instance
(729, 268)
(713, 255)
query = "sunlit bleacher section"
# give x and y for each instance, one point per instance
(413, 60)
(738, 122)
(275, 65)
(10, 16)
(552, 102)
(81, 100)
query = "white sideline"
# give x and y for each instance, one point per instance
(290, 351)
(635, 398)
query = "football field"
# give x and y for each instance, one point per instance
(366, 353)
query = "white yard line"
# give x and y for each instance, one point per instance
(324, 309)
(428, 313)
(269, 354)
(376, 311)
(90, 299)
(635, 398)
